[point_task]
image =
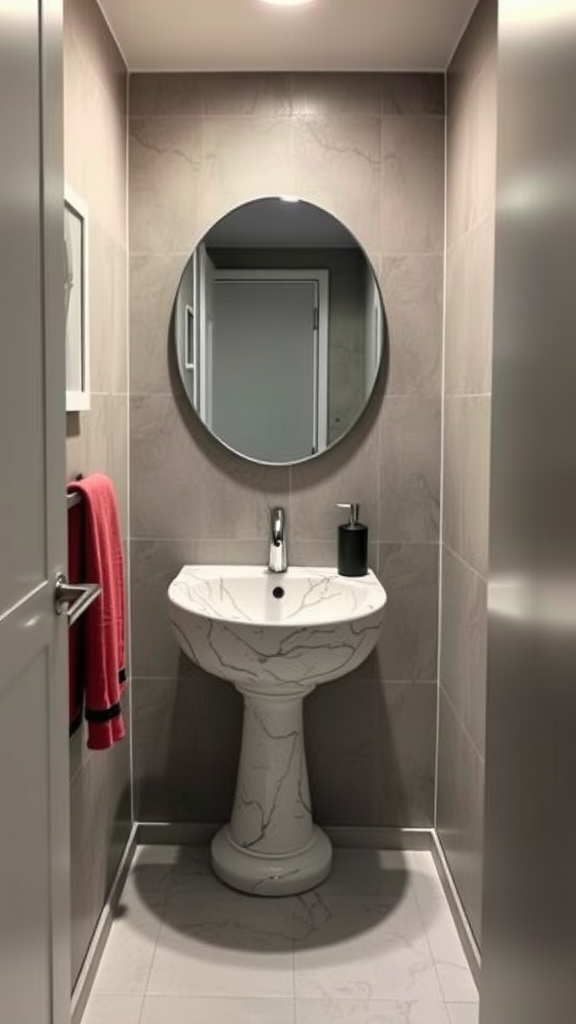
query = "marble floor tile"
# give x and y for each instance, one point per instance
(113, 1009)
(374, 944)
(186, 1010)
(452, 968)
(463, 1013)
(363, 948)
(127, 959)
(346, 1011)
(225, 944)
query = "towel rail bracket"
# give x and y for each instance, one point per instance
(74, 598)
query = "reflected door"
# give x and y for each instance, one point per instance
(266, 366)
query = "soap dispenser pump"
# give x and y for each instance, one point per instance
(352, 543)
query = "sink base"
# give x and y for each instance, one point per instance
(273, 874)
(271, 845)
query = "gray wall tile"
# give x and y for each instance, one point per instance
(164, 163)
(412, 288)
(460, 810)
(469, 312)
(410, 469)
(471, 134)
(463, 643)
(185, 748)
(184, 484)
(371, 749)
(243, 137)
(407, 648)
(412, 185)
(154, 280)
(466, 478)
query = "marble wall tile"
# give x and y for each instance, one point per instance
(340, 475)
(332, 152)
(412, 185)
(412, 292)
(411, 93)
(371, 748)
(469, 312)
(460, 810)
(184, 484)
(97, 442)
(407, 648)
(410, 469)
(186, 744)
(319, 94)
(471, 149)
(154, 281)
(463, 645)
(466, 478)
(190, 498)
(476, 46)
(163, 184)
(241, 158)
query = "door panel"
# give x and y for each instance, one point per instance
(34, 785)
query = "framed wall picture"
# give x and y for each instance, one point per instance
(76, 302)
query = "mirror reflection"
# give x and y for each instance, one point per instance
(279, 330)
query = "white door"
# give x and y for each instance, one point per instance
(265, 359)
(34, 835)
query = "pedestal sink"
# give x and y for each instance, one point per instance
(275, 637)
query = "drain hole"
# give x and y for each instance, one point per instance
(278, 592)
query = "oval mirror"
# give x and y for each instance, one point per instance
(279, 330)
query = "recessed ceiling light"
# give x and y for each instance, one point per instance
(286, 3)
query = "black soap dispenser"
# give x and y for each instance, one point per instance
(352, 544)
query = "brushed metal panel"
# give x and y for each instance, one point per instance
(23, 552)
(529, 923)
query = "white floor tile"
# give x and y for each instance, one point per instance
(451, 964)
(344, 1011)
(186, 1010)
(113, 1009)
(225, 945)
(129, 952)
(184, 965)
(463, 1013)
(361, 949)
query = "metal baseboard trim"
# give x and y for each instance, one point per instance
(85, 980)
(370, 837)
(378, 837)
(465, 933)
(160, 833)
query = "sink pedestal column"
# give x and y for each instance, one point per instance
(271, 846)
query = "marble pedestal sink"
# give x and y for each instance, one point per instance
(275, 636)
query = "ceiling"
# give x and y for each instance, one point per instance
(328, 35)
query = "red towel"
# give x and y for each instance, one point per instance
(75, 632)
(102, 655)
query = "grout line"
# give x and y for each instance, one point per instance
(442, 467)
(465, 563)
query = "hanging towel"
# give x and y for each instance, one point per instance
(75, 644)
(101, 661)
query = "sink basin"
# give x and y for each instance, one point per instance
(273, 632)
(275, 636)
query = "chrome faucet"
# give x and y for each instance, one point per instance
(277, 561)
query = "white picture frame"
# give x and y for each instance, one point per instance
(76, 302)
